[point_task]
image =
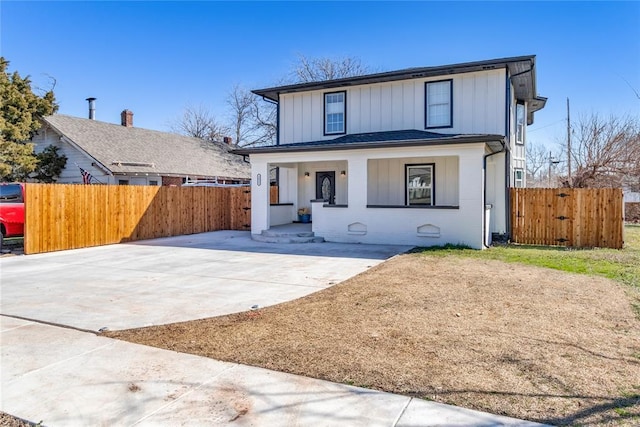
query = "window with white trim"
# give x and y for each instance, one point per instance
(520, 122)
(518, 178)
(419, 184)
(335, 113)
(439, 104)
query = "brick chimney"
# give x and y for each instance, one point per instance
(126, 118)
(227, 140)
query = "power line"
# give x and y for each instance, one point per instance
(546, 126)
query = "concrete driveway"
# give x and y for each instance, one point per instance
(174, 279)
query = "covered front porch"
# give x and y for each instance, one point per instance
(411, 195)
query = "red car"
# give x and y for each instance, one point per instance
(11, 210)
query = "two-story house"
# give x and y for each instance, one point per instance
(422, 156)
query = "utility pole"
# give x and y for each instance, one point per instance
(549, 174)
(552, 162)
(569, 144)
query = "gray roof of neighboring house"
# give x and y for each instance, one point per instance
(395, 138)
(521, 69)
(129, 149)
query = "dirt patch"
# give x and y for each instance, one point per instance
(632, 212)
(508, 339)
(134, 388)
(7, 420)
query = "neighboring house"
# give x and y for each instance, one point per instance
(423, 156)
(126, 155)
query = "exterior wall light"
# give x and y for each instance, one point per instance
(306, 174)
(343, 173)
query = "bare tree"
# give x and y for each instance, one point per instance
(242, 104)
(321, 69)
(537, 161)
(266, 123)
(199, 122)
(606, 152)
(252, 122)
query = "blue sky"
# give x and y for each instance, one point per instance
(155, 58)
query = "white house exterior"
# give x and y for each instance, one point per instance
(423, 156)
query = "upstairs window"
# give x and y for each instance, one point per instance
(520, 123)
(419, 184)
(335, 113)
(439, 104)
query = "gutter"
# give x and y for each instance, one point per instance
(484, 189)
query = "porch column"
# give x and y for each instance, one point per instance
(357, 184)
(289, 184)
(259, 196)
(472, 196)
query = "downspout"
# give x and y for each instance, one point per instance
(507, 160)
(484, 195)
(507, 157)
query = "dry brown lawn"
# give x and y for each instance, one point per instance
(509, 339)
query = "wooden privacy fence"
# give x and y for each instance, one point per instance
(574, 217)
(59, 217)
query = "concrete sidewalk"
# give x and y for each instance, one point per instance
(65, 377)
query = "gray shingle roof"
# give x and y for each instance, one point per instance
(392, 135)
(129, 149)
(395, 138)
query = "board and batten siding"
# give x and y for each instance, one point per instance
(517, 151)
(478, 107)
(387, 183)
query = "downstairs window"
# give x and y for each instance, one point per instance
(419, 184)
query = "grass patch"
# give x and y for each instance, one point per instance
(622, 265)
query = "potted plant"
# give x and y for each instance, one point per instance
(304, 215)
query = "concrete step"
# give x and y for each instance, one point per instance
(284, 237)
(276, 233)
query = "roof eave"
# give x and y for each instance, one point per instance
(410, 73)
(293, 148)
(75, 145)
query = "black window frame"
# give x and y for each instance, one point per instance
(406, 183)
(426, 104)
(524, 122)
(324, 111)
(515, 177)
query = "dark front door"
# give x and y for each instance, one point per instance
(326, 186)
